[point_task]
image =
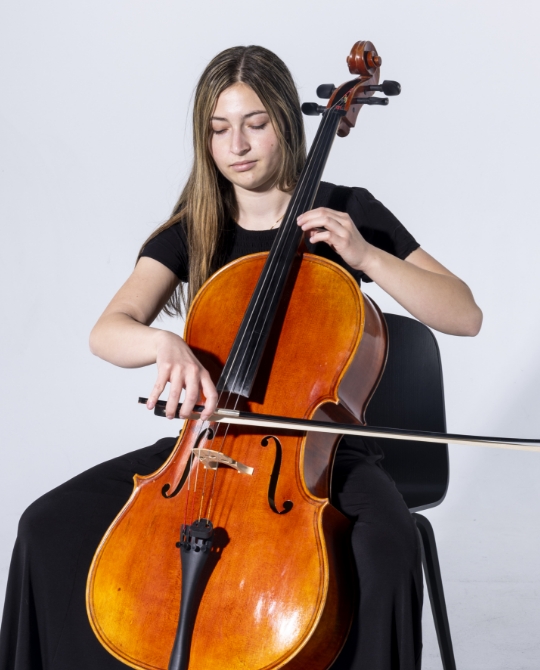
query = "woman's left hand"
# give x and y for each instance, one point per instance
(338, 230)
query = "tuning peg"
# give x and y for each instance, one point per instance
(370, 101)
(388, 87)
(325, 91)
(312, 108)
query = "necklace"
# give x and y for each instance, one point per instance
(275, 224)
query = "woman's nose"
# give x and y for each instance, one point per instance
(239, 143)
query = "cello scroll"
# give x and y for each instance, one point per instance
(365, 62)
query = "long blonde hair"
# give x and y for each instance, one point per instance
(208, 201)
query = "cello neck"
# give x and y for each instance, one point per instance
(243, 362)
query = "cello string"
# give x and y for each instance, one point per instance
(303, 191)
(279, 243)
(296, 204)
(208, 444)
(213, 485)
(284, 242)
(288, 235)
(309, 175)
(201, 427)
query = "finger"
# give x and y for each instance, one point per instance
(309, 217)
(318, 211)
(323, 222)
(321, 236)
(210, 394)
(159, 386)
(321, 212)
(192, 386)
(175, 391)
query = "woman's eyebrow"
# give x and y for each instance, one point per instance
(246, 116)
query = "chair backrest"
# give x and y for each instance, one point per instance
(411, 395)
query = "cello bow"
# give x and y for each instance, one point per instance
(242, 418)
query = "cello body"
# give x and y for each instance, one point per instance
(278, 589)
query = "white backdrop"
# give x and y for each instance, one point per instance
(95, 144)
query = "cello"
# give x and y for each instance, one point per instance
(256, 581)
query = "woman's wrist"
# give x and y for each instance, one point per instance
(367, 258)
(164, 338)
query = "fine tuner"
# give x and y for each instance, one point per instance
(326, 91)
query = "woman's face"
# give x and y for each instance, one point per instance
(243, 141)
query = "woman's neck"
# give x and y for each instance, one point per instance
(261, 210)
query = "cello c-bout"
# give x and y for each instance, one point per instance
(275, 589)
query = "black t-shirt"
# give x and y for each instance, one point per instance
(377, 225)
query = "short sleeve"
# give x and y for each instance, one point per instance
(169, 247)
(375, 222)
(378, 225)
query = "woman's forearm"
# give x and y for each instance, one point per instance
(441, 301)
(123, 341)
(120, 339)
(423, 286)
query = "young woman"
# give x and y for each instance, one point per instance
(249, 150)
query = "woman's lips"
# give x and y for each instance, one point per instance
(243, 166)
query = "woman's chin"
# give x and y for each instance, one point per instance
(249, 181)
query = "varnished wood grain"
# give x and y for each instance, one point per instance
(279, 593)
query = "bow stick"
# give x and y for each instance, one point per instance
(310, 425)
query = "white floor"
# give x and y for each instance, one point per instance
(489, 555)
(491, 627)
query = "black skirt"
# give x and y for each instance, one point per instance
(45, 625)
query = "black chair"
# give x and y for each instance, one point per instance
(410, 395)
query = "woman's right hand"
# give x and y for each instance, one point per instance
(179, 366)
(123, 336)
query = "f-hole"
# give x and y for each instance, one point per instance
(209, 433)
(288, 504)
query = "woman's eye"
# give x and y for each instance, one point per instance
(263, 125)
(215, 131)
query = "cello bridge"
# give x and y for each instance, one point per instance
(213, 459)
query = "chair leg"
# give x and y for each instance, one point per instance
(432, 571)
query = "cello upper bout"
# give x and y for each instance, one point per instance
(366, 368)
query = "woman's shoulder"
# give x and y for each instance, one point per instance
(342, 198)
